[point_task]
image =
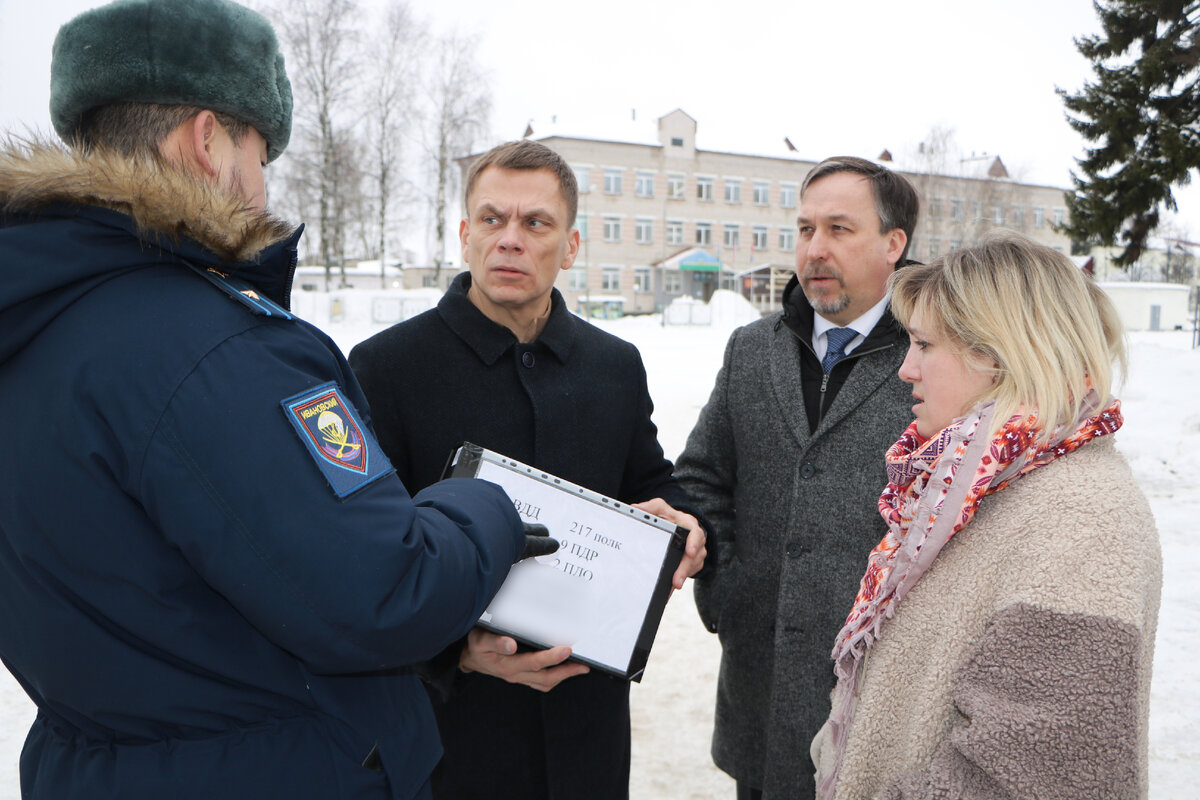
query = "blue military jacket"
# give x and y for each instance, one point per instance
(211, 580)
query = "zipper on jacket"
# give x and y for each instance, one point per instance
(821, 400)
(856, 353)
(825, 378)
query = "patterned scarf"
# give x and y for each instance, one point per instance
(934, 489)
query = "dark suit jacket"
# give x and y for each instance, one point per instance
(573, 403)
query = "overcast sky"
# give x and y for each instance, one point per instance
(835, 78)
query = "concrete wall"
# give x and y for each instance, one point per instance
(362, 306)
(1137, 304)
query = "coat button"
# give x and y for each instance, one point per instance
(527, 358)
(807, 471)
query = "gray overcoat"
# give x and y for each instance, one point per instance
(794, 516)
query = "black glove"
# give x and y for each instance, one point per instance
(538, 542)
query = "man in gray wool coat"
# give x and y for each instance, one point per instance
(786, 462)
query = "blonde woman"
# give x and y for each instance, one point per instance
(1001, 642)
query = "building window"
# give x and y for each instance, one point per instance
(760, 237)
(733, 190)
(704, 189)
(577, 278)
(1039, 217)
(643, 185)
(1018, 216)
(704, 234)
(581, 225)
(935, 247)
(977, 211)
(641, 279)
(935, 208)
(761, 191)
(612, 181)
(674, 231)
(610, 279)
(956, 244)
(583, 177)
(1060, 215)
(733, 235)
(787, 195)
(643, 230)
(672, 281)
(998, 215)
(676, 141)
(787, 239)
(956, 210)
(675, 183)
(612, 229)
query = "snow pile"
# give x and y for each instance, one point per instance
(1161, 439)
(726, 310)
(730, 309)
(687, 311)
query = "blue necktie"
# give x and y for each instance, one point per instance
(836, 340)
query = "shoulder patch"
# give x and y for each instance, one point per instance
(343, 448)
(244, 293)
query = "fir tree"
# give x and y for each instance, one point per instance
(1141, 113)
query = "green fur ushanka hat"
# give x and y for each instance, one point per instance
(214, 54)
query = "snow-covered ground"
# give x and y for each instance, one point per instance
(672, 707)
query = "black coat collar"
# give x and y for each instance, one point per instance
(798, 315)
(491, 340)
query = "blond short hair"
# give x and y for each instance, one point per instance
(1050, 331)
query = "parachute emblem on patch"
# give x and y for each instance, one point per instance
(342, 447)
(331, 429)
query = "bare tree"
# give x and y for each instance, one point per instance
(326, 183)
(358, 94)
(458, 106)
(322, 44)
(962, 196)
(296, 196)
(348, 201)
(395, 51)
(1179, 246)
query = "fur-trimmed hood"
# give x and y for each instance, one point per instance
(161, 201)
(69, 221)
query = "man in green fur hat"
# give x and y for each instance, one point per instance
(211, 579)
(199, 83)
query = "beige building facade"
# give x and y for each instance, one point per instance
(663, 219)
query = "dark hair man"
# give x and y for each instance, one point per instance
(501, 362)
(212, 577)
(786, 462)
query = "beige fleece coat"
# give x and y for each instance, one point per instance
(1019, 665)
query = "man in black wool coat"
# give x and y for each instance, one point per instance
(502, 363)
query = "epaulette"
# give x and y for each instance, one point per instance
(243, 292)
